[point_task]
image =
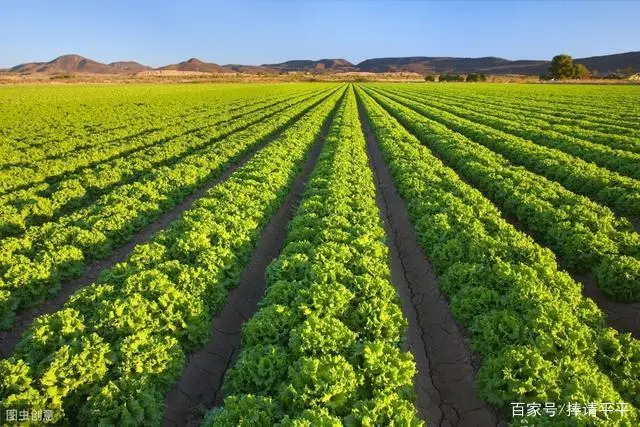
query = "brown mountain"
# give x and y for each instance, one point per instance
(250, 69)
(608, 64)
(194, 64)
(604, 65)
(78, 64)
(305, 65)
(427, 64)
(129, 66)
(63, 64)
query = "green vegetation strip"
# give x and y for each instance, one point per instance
(587, 236)
(613, 105)
(49, 160)
(490, 120)
(620, 193)
(41, 203)
(130, 138)
(33, 266)
(324, 347)
(539, 339)
(119, 344)
(614, 137)
(72, 119)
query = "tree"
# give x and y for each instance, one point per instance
(429, 78)
(580, 72)
(562, 67)
(450, 78)
(473, 77)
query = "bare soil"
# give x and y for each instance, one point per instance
(624, 317)
(445, 385)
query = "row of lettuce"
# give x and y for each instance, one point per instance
(89, 176)
(324, 348)
(585, 235)
(51, 160)
(64, 121)
(620, 161)
(33, 265)
(108, 356)
(539, 339)
(613, 136)
(613, 107)
(620, 193)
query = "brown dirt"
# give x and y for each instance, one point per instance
(199, 388)
(445, 386)
(624, 317)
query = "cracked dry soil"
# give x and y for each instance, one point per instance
(445, 385)
(198, 390)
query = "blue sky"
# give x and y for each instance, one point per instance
(254, 32)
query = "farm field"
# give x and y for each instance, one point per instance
(304, 254)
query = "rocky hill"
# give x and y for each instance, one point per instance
(194, 64)
(78, 64)
(322, 65)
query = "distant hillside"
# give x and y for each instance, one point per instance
(194, 64)
(305, 65)
(250, 69)
(492, 65)
(78, 64)
(129, 66)
(426, 65)
(607, 64)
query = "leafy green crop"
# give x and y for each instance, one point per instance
(119, 344)
(33, 265)
(585, 235)
(539, 339)
(324, 347)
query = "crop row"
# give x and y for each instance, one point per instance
(33, 265)
(620, 193)
(40, 203)
(618, 107)
(57, 168)
(615, 137)
(46, 138)
(599, 117)
(324, 347)
(585, 235)
(66, 121)
(622, 162)
(117, 346)
(539, 339)
(61, 145)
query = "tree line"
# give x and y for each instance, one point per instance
(449, 77)
(561, 68)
